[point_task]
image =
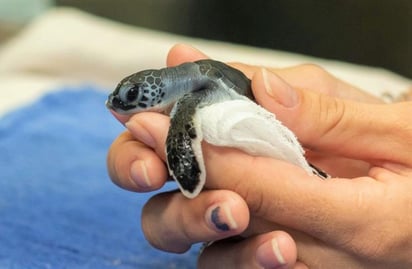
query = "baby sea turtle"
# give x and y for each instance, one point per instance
(207, 100)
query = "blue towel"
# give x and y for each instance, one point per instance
(58, 208)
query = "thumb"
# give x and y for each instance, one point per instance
(181, 53)
(370, 132)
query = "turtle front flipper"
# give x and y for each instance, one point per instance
(183, 145)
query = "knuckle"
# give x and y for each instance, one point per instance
(318, 78)
(148, 227)
(396, 118)
(240, 185)
(224, 254)
(312, 68)
(328, 119)
(403, 121)
(315, 71)
(333, 112)
(253, 194)
(159, 230)
(116, 164)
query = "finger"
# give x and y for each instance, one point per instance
(173, 223)
(313, 77)
(297, 200)
(271, 250)
(151, 129)
(328, 210)
(134, 166)
(400, 170)
(312, 252)
(182, 53)
(121, 118)
(344, 127)
(338, 166)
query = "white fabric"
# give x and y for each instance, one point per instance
(244, 125)
(66, 46)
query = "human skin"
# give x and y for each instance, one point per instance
(348, 221)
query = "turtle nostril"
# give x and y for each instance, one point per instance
(116, 102)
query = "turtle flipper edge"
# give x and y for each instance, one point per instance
(183, 147)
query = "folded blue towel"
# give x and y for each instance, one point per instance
(58, 208)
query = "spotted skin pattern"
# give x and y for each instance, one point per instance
(146, 90)
(180, 92)
(181, 157)
(152, 88)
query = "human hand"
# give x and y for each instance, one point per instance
(366, 217)
(353, 222)
(246, 245)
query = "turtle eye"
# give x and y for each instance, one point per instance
(132, 94)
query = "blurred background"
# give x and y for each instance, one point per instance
(375, 33)
(57, 70)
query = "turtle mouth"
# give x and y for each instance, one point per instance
(115, 103)
(109, 104)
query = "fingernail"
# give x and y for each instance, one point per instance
(140, 133)
(279, 89)
(139, 175)
(220, 218)
(268, 255)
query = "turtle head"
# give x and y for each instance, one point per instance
(141, 91)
